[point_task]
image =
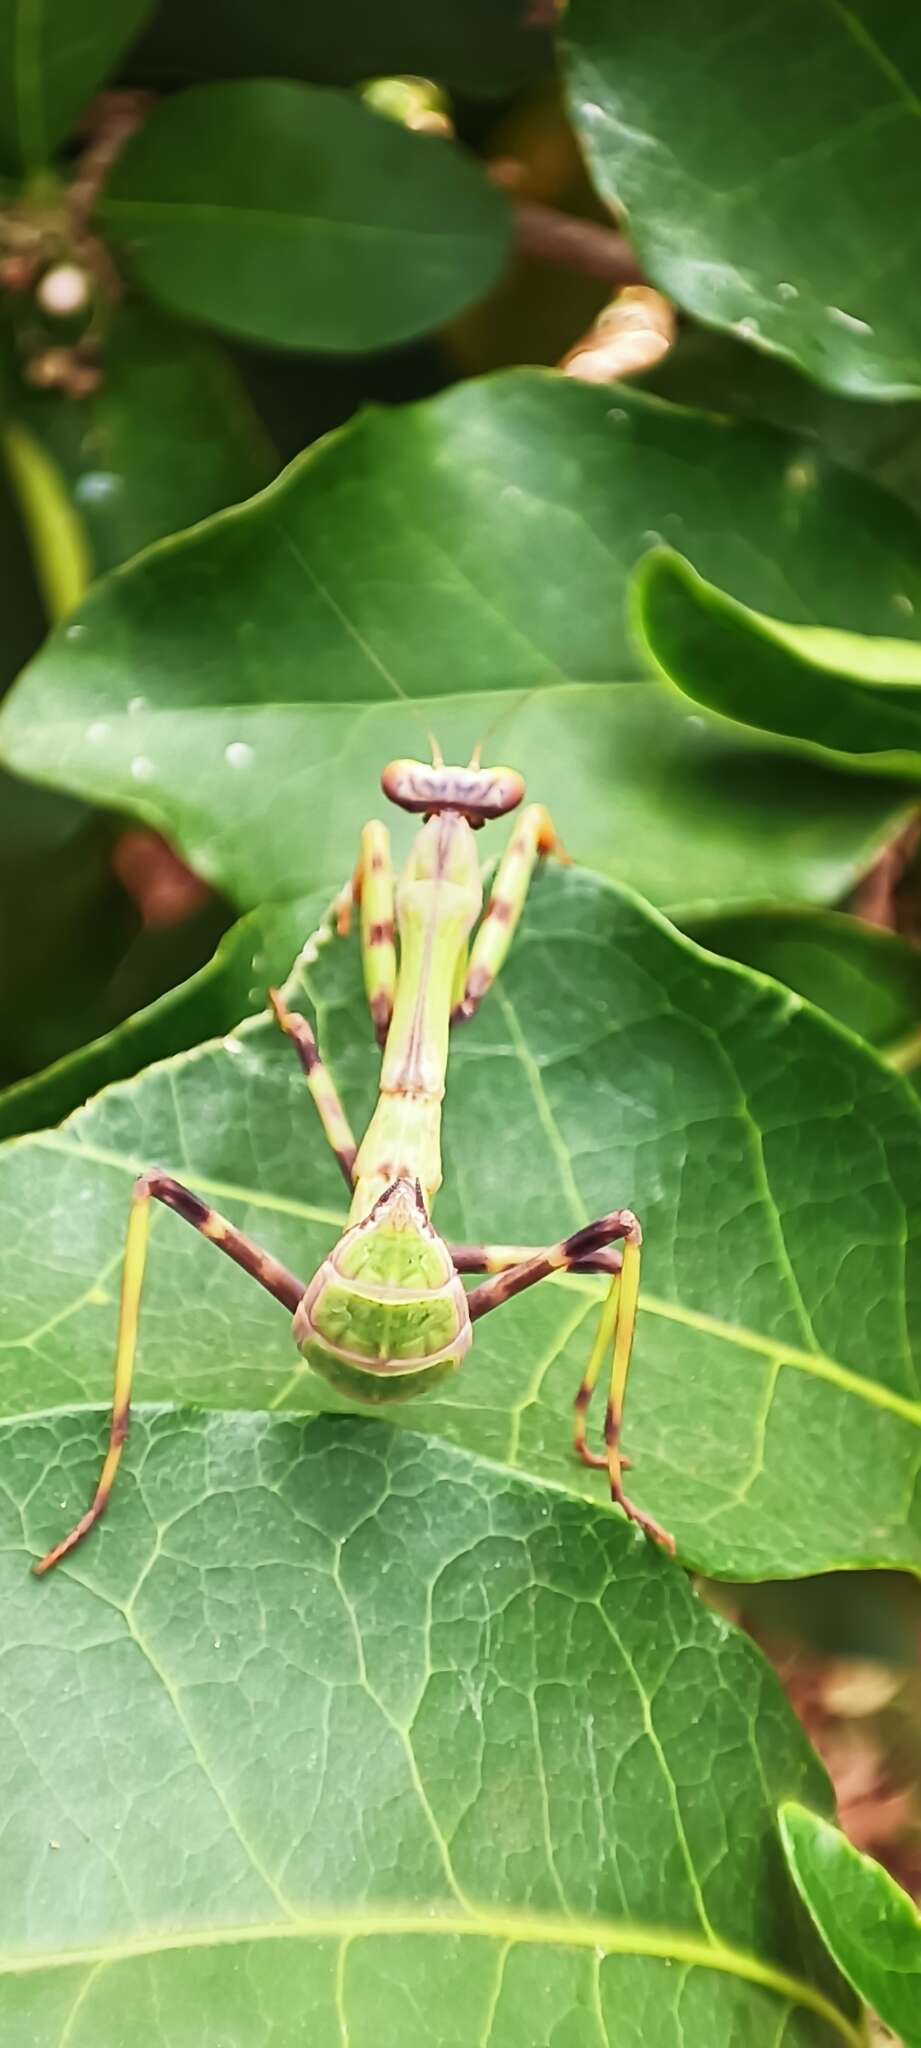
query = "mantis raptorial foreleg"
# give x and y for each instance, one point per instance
(275, 1278)
(372, 888)
(336, 1128)
(533, 837)
(615, 1330)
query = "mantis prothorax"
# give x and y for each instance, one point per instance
(387, 1315)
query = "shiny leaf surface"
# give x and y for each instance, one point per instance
(463, 565)
(756, 152)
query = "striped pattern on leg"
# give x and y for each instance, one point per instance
(160, 1187)
(332, 1116)
(378, 930)
(532, 838)
(615, 1333)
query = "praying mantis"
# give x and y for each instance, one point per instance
(387, 1316)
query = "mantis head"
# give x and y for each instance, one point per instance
(479, 794)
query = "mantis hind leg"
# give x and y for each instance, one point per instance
(533, 837)
(286, 1288)
(581, 1252)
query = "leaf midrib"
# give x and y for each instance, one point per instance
(614, 1938)
(819, 1364)
(210, 211)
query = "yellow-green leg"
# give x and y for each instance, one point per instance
(286, 1288)
(532, 838)
(373, 889)
(582, 1252)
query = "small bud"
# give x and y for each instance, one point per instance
(48, 371)
(63, 369)
(632, 334)
(416, 103)
(64, 291)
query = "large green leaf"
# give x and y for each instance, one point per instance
(449, 565)
(480, 47)
(773, 1412)
(869, 979)
(870, 1925)
(344, 1735)
(850, 695)
(251, 957)
(52, 58)
(756, 153)
(296, 216)
(169, 437)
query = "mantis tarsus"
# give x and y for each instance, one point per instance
(387, 1315)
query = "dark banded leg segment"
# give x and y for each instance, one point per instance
(532, 838)
(615, 1331)
(332, 1116)
(497, 1258)
(275, 1278)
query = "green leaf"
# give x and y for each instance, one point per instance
(293, 215)
(169, 437)
(447, 566)
(478, 47)
(869, 1924)
(52, 58)
(870, 980)
(251, 957)
(845, 694)
(714, 371)
(773, 1160)
(342, 1730)
(756, 153)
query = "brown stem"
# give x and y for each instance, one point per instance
(108, 123)
(584, 245)
(876, 896)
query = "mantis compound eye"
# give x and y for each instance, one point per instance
(479, 793)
